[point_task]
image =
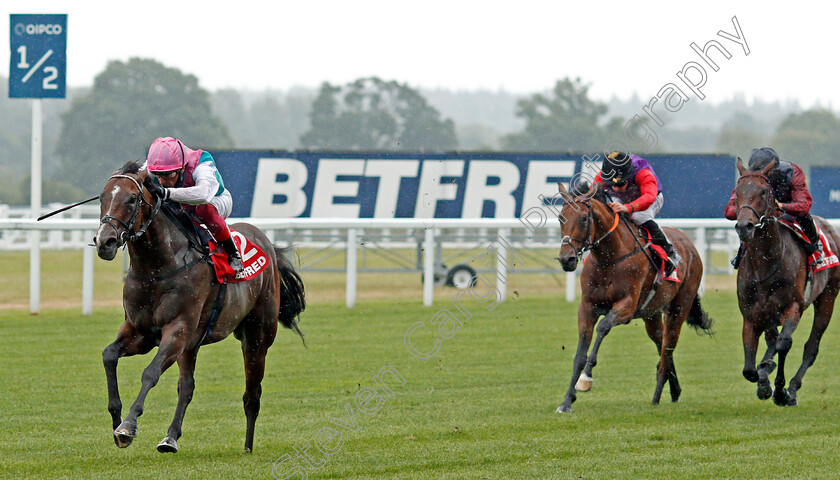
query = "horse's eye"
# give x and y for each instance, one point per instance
(131, 198)
(583, 218)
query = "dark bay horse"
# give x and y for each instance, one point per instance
(168, 297)
(772, 286)
(616, 282)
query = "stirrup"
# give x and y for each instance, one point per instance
(236, 264)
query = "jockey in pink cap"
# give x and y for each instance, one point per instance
(190, 177)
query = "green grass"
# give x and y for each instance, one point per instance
(482, 407)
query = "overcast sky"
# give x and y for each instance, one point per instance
(521, 47)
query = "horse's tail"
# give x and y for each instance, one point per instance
(292, 294)
(699, 319)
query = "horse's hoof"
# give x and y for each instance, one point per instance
(764, 391)
(767, 366)
(247, 450)
(122, 439)
(124, 434)
(781, 397)
(584, 383)
(750, 375)
(167, 445)
(564, 409)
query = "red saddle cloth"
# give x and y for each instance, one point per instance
(818, 260)
(664, 257)
(253, 259)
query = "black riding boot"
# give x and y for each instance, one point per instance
(234, 259)
(658, 237)
(807, 224)
(735, 262)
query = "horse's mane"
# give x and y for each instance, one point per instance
(130, 167)
(582, 189)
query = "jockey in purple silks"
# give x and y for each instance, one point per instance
(630, 182)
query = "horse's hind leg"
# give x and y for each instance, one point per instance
(172, 343)
(258, 335)
(186, 387)
(129, 342)
(823, 308)
(666, 371)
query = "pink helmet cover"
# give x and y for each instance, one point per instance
(165, 155)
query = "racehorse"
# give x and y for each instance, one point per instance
(772, 286)
(169, 295)
(620, 281)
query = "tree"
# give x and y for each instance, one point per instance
(740, 134)
(129, 106)
(809, 138)
(566, 121)
(371, 114)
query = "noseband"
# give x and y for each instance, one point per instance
(586, 243)
(129, 226)
(763, 218)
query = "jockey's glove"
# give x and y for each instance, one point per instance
(156, 190)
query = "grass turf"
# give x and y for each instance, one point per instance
(481, 407)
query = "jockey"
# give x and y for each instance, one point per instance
(790, 191)
(190, 177)
(633, 188)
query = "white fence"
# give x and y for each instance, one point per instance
(79, 226)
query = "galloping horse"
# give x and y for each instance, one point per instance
(772, 286)
(619, 281)
(169, 295)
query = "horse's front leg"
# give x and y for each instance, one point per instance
(129, 342)
(172, 343)
(750, 334)
(586, 322)
(765, 368)
(790, 320)
(186, 387)
(620, 314)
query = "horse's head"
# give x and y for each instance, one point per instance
(754, 201)
(579, 215)
(122, 213)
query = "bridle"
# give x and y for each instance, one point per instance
(129, 225)
(587, 243)
(763, 218)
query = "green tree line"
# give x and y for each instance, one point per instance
(96, 129)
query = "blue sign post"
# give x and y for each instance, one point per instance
(38, 62)
(37, 69)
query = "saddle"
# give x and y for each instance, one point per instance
(659, 252)
(819, 260)
(200, 239)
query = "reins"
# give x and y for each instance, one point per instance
(764, 219)
(133, 236)
(585, 247)
(129, 226)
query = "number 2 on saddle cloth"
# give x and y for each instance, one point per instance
(253, 259)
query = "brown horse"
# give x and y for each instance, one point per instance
(617, 282)
(169, 295)
(772, 286)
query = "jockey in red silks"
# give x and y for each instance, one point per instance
(787, 181)
(190, 177)
(633, 188)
